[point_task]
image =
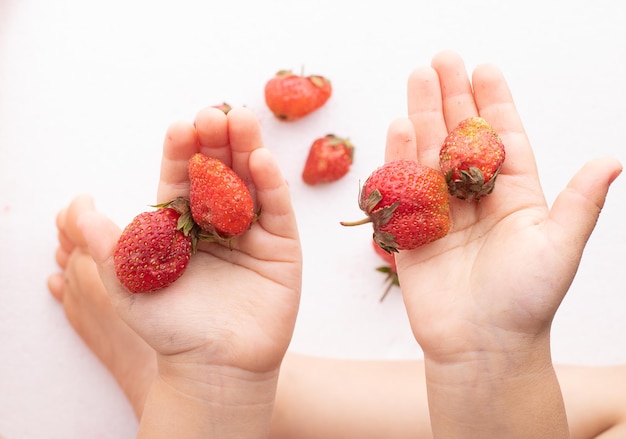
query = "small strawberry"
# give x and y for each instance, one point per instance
(224, 107)
(290, 96)
(389, 269)
(407, 204)
(152, 251)
(220, 202)
(329, 159)
(470, 158)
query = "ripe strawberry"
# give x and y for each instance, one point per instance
(329, 159)
(220, 201)
(224, 107)
(407, 204)
(290, 96)
(152, 252)
(390, 269)
(470, 158)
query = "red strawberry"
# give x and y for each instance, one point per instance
(470, 158)
(407, 204)
(390, 269)
(152, 252)
(329, 159)
(220, 201)
(290, 96)
(224, 107)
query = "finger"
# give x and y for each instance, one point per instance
(180, 143)
(494, 99)
(245, 136)
(212, 128)
(401, 143)
(426, 114)
(495, 104)
(277, 215)
(576, 209)
(456, 90)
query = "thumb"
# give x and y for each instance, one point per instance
(101, 236)
(576, 209)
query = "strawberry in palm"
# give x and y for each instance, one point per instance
(221, 204)
(153, 251)
(470, 158)
(407, 204)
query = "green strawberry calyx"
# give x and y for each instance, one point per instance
(391, 279)
(210, 234)
(186, 224)
(471, 185)
(379, 218)
(189, 227)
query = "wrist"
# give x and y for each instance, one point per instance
(495, 391)
(218, 383)
(489, 369)
(490, 362)
(475, 343)
(189, 400)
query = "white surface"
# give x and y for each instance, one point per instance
(87, 90)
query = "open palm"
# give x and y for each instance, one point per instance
(508, 260)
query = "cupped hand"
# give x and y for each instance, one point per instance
(233, 307)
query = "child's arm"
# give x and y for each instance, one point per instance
(220, 331)
(481, 300)
(595, 400)
(335, 398)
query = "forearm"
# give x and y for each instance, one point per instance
(217, 405)
(341, 398)
(513, 394)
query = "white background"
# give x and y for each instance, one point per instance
(88, 89)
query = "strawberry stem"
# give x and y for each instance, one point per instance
(356, 223)
(382, 298)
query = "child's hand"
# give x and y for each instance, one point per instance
(481, 300)
(508, 261)
(234, 308)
